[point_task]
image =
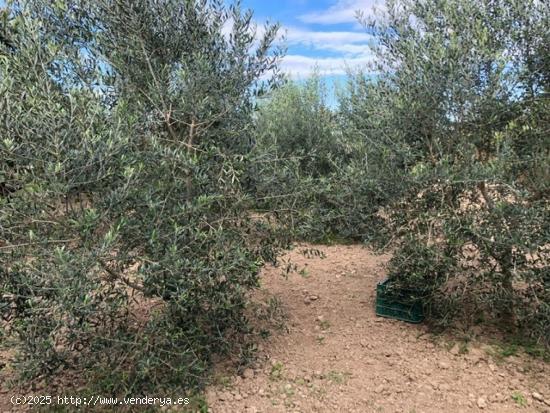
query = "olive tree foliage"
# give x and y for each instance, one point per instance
(295, 122)
(126, 251)
(308, 171)
(458, 120)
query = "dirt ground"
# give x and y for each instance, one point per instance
(337, 355)
(332, 353)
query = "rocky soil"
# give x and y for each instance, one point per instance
(337, 355)
(324, 350)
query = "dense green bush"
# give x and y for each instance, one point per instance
(296, 123)
(126, 251)
(309, 170)
(459, 117)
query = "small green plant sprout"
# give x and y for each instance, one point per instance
(276, 371)
(338, 377)
(519, 399)
(507, 350)
(323, 323)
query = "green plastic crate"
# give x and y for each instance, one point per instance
(398, 306)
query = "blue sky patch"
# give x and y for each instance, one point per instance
(322, 33)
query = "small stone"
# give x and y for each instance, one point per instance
(238, 396)
(482, 402)
(455, 350)
(320, 318)
(224, 396)
(313, 297)
(379, 389)
(248, 373)
(537, 396)
(307, 301)
(475, 355)
(444, 387)
(443, 365)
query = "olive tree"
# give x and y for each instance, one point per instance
(457, 115)
(126, 251)
(309, 170)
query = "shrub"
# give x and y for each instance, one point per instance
(458, 117)
(309, 171)
(126, 249)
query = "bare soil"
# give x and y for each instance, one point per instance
(332, 353)
(337, 355)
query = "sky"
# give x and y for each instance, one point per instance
(325, 33)
(320, 33)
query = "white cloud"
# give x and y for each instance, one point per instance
(349, 49)
(305, 36)
(343, 11)
(329, 40)
(344, 42)
(302, 66)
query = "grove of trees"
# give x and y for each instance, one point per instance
(140, 141)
